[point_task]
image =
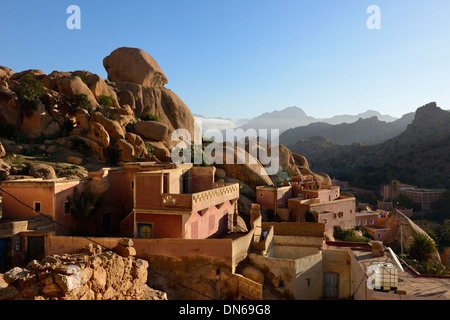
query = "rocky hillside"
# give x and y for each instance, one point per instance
(127, 117)
(368, 131)
(69, 123)
(419, 155)
(100, 276)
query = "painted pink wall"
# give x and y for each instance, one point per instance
(62, 192)
(27, 193)
(212, 222)
(164, 225)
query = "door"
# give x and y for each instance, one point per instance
(3, 253)
(106, 223)
(145, 231)
(331, 285)
(35, 248)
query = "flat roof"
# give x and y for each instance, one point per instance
(418, 286)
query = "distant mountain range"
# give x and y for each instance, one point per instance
(419, 155)
(364, 130)
(292, 117)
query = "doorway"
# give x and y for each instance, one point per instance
(35, 248)
(331, 285)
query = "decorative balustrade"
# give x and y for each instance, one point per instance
(201, 200)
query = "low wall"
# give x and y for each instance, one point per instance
(145, 248)
(296, 229)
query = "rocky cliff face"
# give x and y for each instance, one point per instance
(102, 112)
(98, 276)
(130, 115)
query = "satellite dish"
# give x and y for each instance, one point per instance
(395, 259)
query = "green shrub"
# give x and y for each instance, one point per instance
(29, 91)
(309, 216)
(422, 247)
(82, 101)
(149, 117)
(106, 101)
(112, 154)
(80, 146)
(112, 116)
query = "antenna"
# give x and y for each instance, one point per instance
(396, 261)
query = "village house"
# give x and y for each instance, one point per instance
(370, 222)
(423, 197)
(182, 202)
(302, 194)
(138, 200)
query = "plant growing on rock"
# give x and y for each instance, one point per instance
(105, 101)
(29, 91)
(82, 101)
(149, 117)
(112, 154)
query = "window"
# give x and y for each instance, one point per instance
(66, 207)
(371, 221)
(379, 235)
(364, 222)
(37, 206)
(358, 222)
(132, 184)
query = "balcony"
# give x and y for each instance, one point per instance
(201, 200)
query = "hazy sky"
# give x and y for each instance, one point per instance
(239, 59)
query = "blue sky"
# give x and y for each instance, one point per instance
(238, 59)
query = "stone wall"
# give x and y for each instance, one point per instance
(88, 274)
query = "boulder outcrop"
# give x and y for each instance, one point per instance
(401, 227)
(88, 274)
(134, 65)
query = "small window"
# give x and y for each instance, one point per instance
(37, 206)
(66, 207)
(379, 235)
(261, 195)
(371, 221)
(364, 222)
(358, 222)
(132, 184)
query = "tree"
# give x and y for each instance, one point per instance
(422, 247)
(404, 201)
(309, 216)
(82, 206)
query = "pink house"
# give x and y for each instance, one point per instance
(48, 197)
(139, 200)
(370, 222)
(180, 202)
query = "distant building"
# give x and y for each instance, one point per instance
(339, 183)
(370, 222)
(423, 197)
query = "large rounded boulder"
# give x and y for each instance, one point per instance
(134, 65)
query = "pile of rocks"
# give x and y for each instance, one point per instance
(89, 274)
